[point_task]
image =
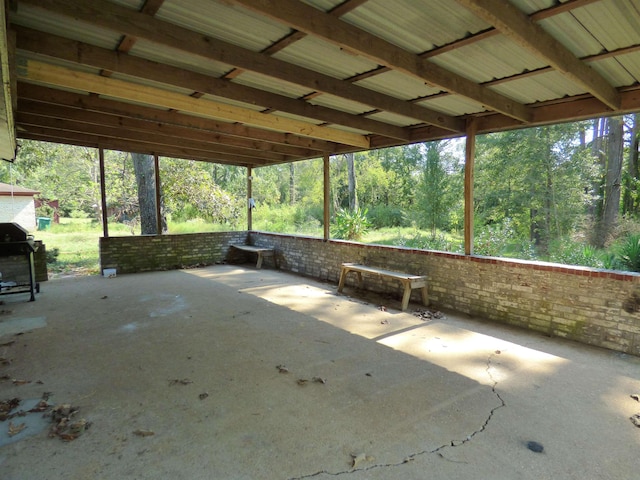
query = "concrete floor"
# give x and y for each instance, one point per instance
(451, 398)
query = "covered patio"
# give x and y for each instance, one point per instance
(199, 374)
(232, 372)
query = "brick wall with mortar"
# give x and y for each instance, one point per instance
(596, 307)
(166, 252)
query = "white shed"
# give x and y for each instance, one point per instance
(17, 205)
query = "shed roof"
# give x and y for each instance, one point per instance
(7, 190)
(260, 82)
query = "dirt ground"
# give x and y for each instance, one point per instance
(228, 372)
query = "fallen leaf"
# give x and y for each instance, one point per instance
(318, 380)
(282, 369)
(177, 381)
(16, 429)
(7, 344)
(20, 382)
(144, 433)
(636, 397)
(102, 298)
(359, 459)
(302, 381)
(635, 419)
(384, 322)
(203, 395)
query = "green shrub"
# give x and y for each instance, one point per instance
(629, 253)
(351, 225)
(384, 216)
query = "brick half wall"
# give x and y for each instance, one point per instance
(147, 253)
(591, 306)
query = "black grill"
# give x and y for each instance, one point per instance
(15, 242)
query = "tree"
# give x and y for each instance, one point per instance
(610, 154)
(353, 185)
(144, 169)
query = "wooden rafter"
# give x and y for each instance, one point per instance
(108, 15)
(516, 25)
(73, 51)
(317, 23)
(212, 127)
(173, 134)
(39, 72)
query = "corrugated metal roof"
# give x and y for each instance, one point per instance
(453, 105)
(63, 26)
(621, 71)
(471, 49)
(176, 58)
(399, 85)
(325, 57)
(415, 25)
(489, 59)
(270, 84)
(223, 21)
(539, 88)
(339, 103)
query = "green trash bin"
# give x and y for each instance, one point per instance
(44, 223)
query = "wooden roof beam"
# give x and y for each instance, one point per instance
(177, 134)
(518, 26)
(160, 140)
(112, 16)
(43, 73)
(74, 51)
(315, 22)
(55, 135)
(94, 103)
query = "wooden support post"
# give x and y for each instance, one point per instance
(327, 190)
(156, 166)
(470, 151)
(103, 195)
(249, 199)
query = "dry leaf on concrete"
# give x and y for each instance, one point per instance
(144, 433)
(282, 369)
(635, 419)
(178, 381)
(16, 429)
(302, 381)
(360, 458)
(319, 380)
(635, 396)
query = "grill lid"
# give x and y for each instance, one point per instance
(12, 232)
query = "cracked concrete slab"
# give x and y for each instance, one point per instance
(191, 356)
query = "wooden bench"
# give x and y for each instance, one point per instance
(260, 251)
(409, 282)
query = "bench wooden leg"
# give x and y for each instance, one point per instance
(259, 264)
(406, 295)
(343, 274)
(425, 296)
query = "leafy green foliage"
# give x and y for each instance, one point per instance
(629, 253)
(351, 225)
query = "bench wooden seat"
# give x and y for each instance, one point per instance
(409, 281)
(260, 251)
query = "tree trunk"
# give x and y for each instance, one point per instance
(351, 170)
(292, 184)
(630, 201)
(614, 154)
(143, 166)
